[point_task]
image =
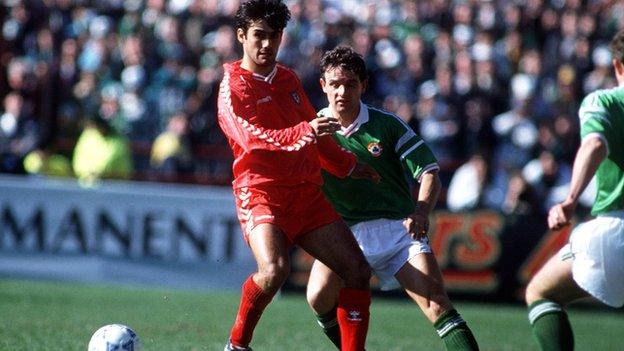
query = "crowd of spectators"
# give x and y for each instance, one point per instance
(492, 86)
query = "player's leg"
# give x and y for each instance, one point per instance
(422, 280)
(547, 293)
(334, 245)
(322, 294)
(270, 249)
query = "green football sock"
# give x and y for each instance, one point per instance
(550, 325)
(455, 333)
(329, 323)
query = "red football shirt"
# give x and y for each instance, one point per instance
(265, 120)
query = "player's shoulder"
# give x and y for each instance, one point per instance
(385, 118)
(233, 80)
(602, 99)
(283, 69)
(285, 73)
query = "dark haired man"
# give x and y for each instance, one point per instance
(279, 148)
(389, 227)
(592, 263)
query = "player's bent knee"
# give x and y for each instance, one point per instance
(311, 296)
(312, 292)
(363, 271)
(274, 275)
(358, 275)
(316, 299)
(533, 292)
(436, 305)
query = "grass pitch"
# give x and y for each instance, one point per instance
(61, 316)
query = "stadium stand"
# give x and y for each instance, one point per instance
(498, 79)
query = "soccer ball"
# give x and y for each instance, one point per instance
(114, 337)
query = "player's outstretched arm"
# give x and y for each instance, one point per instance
(591, 153)
(334, 159)
(240, 121)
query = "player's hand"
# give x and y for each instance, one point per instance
(325, 126)
(365, 171)
(561, 214)
(417, 225)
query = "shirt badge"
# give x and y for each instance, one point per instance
(264, 100)
(375, 149)
(296, 97)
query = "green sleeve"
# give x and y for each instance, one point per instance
(414, 154)
(594, 117)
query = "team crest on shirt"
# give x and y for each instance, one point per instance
(375, 149)
(296, 97)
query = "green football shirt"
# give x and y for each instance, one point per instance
(602, 113)
(389, 145)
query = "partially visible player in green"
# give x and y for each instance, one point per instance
(592, 263)
(390, 228)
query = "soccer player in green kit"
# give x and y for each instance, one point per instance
(592, 263)
(391, 229)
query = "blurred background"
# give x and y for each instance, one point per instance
(126, 90)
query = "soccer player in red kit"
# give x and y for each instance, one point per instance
(279, 148)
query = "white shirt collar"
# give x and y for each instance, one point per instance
(353, 127)
(269, 77)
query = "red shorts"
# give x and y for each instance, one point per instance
(296, 210)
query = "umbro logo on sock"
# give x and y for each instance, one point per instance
(354, 316)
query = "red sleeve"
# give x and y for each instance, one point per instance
(235, 111)
(335, 159)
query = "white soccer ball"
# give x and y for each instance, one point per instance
(114, 337)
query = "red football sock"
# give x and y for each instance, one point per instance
(353, 315)
(253, 302)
